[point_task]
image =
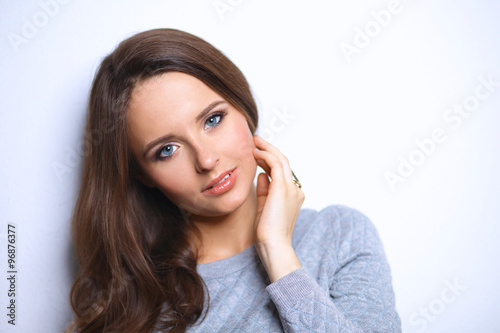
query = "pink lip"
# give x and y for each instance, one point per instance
(216, 188)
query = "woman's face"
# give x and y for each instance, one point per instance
(185, 138)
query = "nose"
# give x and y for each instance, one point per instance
(205, 156)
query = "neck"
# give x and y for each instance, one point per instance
(225, 236)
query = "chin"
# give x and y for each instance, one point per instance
(226, 203)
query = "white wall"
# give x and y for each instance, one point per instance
(350, 120)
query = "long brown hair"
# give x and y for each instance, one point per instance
(137, 264)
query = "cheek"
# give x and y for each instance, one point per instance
(239, 140)
(178, 187)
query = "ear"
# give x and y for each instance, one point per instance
(144, 179)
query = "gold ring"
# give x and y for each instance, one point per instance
(296, 180)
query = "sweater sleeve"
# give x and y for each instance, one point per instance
(358, 296)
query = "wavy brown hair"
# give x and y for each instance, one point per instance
(137, 262)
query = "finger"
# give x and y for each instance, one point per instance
(266, 146)
(262, 190)
(275, 165)
(263, 165)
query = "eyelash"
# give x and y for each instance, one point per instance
(222, 114)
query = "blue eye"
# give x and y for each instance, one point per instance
(166, 151)
(213, 120)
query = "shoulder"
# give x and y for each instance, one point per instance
(339, 219)
(339, 227)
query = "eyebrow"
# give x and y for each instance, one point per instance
(167, 137)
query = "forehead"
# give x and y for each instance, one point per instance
(172, 92)
(167, 101)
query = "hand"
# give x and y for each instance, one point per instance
(278, 205)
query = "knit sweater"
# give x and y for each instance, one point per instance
(344, 284)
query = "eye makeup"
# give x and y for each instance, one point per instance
(211, 121)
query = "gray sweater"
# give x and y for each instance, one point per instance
(344, 284)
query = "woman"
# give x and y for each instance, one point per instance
(170, 232)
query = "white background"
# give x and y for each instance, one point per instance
(352, 122)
